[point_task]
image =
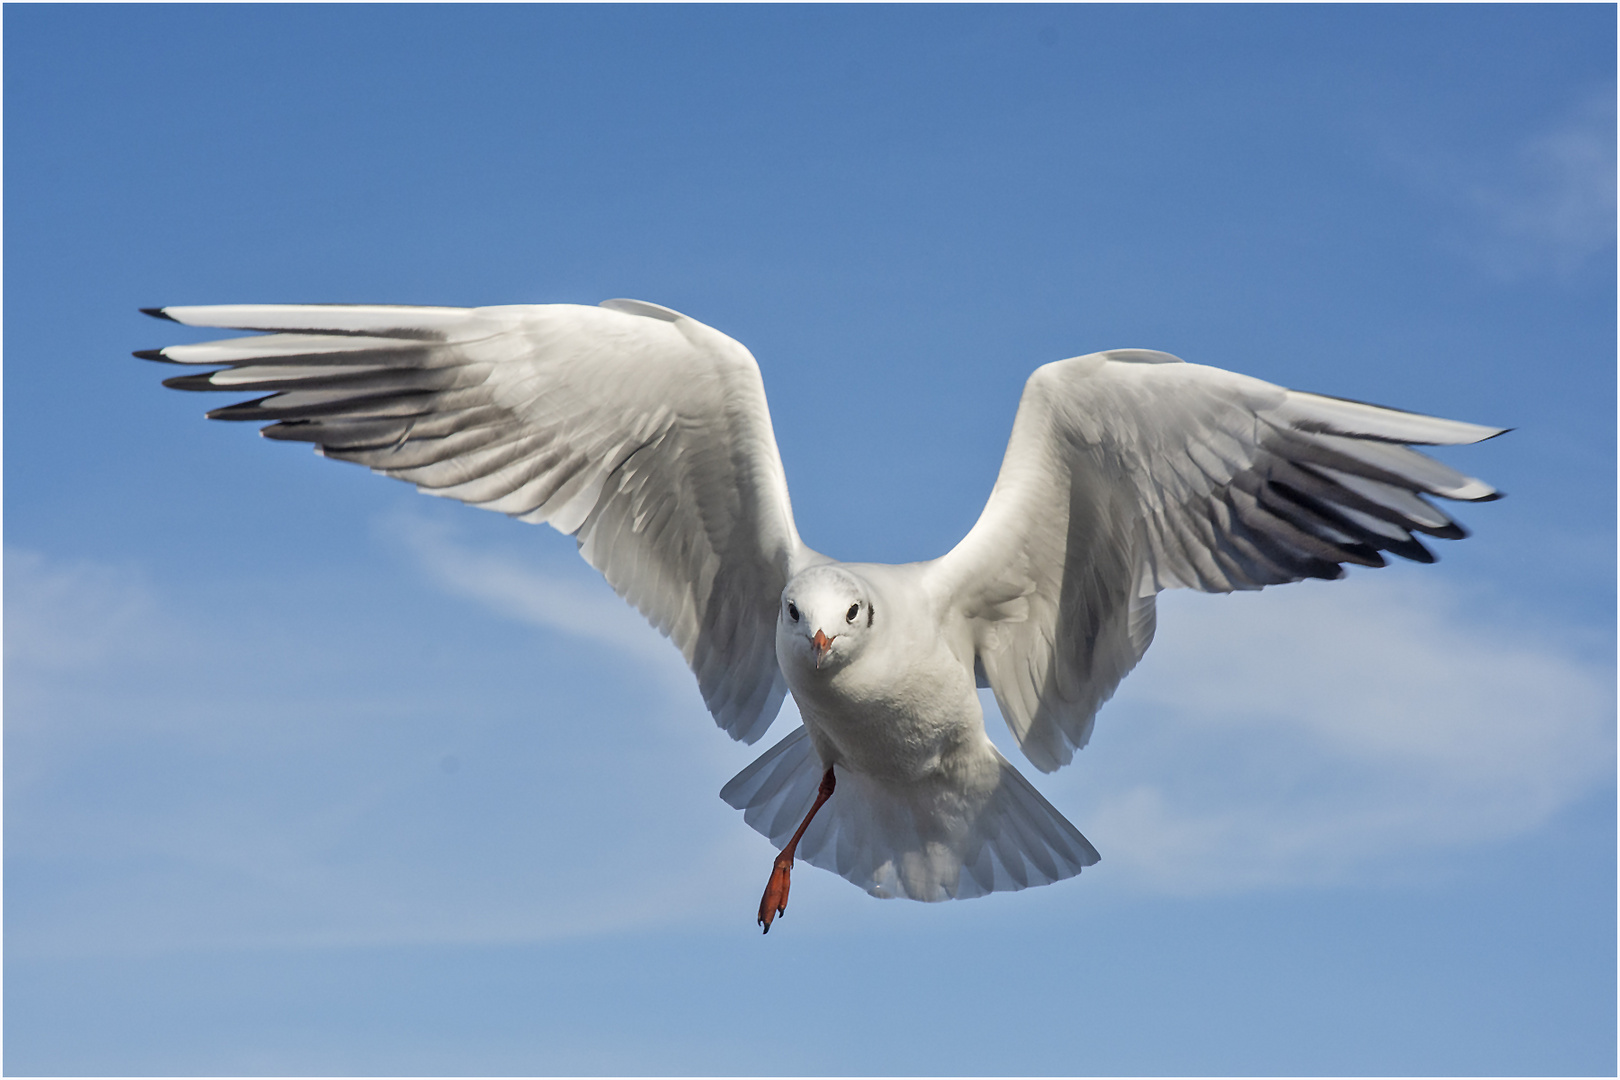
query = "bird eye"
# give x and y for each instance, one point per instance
(793, 612)
(854, 610)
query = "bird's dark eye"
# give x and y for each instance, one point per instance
(793, 612)
(854, 610)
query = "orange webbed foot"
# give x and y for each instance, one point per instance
(774, 902)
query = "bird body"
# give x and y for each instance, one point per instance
(897, 704)
(645, 435)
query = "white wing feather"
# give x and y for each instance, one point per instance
(640, 431)
(1129, 472)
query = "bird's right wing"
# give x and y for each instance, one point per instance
(1129, 472)
(642, 432)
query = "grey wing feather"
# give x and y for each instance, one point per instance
(1129, 472)
(642, 432)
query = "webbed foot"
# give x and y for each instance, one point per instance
(774, 902)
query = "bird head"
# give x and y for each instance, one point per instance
(825, 617)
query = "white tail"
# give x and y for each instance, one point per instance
(913, 841)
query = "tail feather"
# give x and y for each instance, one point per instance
(776, 791)
(921, 841)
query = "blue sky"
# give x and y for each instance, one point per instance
(307, 773)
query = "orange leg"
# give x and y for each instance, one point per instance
(774, 902)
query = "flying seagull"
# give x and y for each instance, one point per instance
(644, 434)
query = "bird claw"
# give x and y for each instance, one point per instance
(774, 902)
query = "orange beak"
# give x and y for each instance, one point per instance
(821, 643)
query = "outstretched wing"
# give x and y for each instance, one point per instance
(643, 433)
(1129, 472)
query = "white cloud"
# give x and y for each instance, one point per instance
(181, 780)
(1331, 731)
(1547, 206)
(1557, 197)
(72, 616)
(1307, 735)
(580, 605)
(1302, 735)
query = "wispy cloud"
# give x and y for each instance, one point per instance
(1301, 736)
(73, 616)
(1557, 197)
(1547, 206)
(1306, 735)
(580, 606)
(1323, 732)
(298, 799)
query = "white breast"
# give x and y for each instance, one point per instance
(904, 709)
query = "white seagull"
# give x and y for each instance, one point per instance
(645, 435)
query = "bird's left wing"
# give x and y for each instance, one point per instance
(642, 432)
(1129, 472)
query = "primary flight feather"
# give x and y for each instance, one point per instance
(645, 435)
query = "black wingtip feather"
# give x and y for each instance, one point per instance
(291, 431)
(191, 382)
(151, 354)
(1415, 551)
(1451, 531)
(242, 410)
(158, 313)
(1409, 548)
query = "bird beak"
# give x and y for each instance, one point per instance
(821, 643)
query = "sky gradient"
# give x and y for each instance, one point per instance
(306, 773)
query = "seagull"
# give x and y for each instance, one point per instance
(645, 435)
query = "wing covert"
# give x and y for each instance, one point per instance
(1129, 472)
(640, 431)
